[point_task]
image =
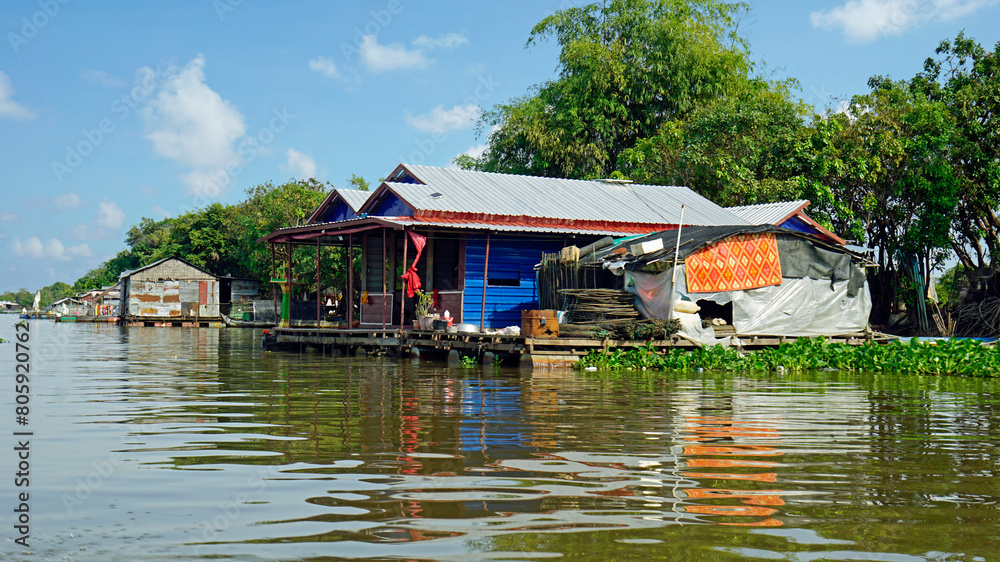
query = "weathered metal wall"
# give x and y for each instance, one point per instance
(244, 290)
(174, 299)
(171, 269)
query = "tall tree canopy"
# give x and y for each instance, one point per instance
(741, 149)
(966, 79)
(626, 67)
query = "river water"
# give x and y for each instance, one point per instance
(183, 444)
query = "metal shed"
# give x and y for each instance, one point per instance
(170, 290)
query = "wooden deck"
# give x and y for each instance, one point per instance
(536, 351)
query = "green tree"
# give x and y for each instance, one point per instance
(266, 209)
(358, 182)
(966, 79)
(740, 149)
(626, 67)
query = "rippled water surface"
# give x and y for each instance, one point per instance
(175, 443)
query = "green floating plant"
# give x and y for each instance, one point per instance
(961, 357)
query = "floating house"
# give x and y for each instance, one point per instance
(101, 302)
(69, 306)
(473, 239)
(170, 291)
(742, 281)
(788, 214)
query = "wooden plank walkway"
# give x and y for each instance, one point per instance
(416, 341)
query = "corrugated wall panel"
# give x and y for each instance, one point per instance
(511, 259)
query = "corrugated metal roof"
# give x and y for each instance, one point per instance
(511, 227)
(353, 197)
(769, 213)
(464, 191)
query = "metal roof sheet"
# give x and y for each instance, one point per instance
(769, 213)
(511, 227)
(355, 198)
(465, 191)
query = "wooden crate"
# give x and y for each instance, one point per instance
(539, 324)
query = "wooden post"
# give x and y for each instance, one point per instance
(385, 266)
(402, 295)
(350, 281)
(486, 271)
(319, 291)
(288, 282)
(274, 292)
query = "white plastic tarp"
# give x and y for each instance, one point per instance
(797, 307)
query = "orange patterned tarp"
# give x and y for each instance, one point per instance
(744, 261)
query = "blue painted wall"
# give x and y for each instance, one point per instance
(341, 211)
(511, 258)
(799, 225)
(392, 206)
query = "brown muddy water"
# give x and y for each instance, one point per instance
(186, 444)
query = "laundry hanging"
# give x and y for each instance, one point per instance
(410, 277)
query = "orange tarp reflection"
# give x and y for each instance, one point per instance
(754, 503)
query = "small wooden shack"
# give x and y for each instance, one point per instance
(729, 281)
(171, 292)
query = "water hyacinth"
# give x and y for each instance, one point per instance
(941, 357)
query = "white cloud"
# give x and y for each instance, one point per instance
(448, 41)
(192, 125)
(108, 222)
(109, 215)
(382, 58)
(9, 217)
(299, 165)
(476, 151)
(161, 212)
(866, 20)
(34, 248)
(102, 78)
(69, 201)
(8, 107)
(325, 66)
(441, 120)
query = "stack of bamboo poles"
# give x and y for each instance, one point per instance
(587, 306)
(978, 319)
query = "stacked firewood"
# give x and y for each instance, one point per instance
(590, 306)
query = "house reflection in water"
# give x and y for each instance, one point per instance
(723, 444)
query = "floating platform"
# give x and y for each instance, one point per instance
(98, 319)
(488, 348)
(171, 322)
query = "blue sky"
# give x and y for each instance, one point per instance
(112, 111)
